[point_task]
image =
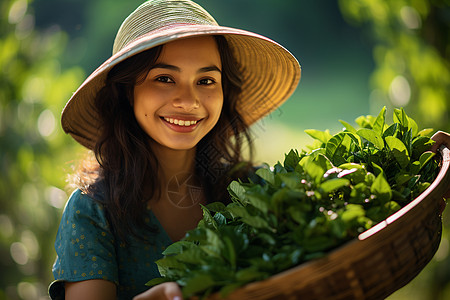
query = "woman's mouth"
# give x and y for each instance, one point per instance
(180, 122)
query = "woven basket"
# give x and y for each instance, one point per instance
(373, 266)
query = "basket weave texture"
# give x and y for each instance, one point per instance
(380, 261)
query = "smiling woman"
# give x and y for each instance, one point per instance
(167, 118)
(181, 98)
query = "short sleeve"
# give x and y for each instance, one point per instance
(84, 245)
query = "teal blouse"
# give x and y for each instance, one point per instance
(87, 249)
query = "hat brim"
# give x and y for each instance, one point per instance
(270, 75)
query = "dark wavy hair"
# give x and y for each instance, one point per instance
(124, 162)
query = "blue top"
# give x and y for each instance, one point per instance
(87, 249)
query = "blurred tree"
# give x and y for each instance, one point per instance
(412, 57)
(411, 53)
(33, 150)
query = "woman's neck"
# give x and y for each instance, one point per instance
(179, 186)
(174, 163)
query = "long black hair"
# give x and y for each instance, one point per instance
(124, 162)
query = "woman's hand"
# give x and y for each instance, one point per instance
(441, 138)
(163, 291)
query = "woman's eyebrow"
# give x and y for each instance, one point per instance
(211, 68)
(166, 66)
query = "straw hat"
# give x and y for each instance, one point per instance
(270, 73)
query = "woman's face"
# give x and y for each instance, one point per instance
(181, 98)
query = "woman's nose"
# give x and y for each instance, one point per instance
(186, 99)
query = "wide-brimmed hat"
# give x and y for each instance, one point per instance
(270, 73)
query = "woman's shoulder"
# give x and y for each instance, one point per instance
(89, 195)
(81, 199)
(85, 204)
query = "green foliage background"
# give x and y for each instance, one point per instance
(357, 56)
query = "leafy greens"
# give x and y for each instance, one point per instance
(300, 210)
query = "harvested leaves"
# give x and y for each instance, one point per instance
(306, 206)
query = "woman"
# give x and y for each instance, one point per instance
(167, 118)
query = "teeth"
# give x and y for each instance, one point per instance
(180, 122)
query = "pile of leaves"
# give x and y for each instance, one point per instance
(300, 210)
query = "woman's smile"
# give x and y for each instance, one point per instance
(181, 124)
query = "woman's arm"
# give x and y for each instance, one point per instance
(94, 289)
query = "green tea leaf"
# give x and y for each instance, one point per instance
(156, 281)
(391, 130)
(372, 137)
(401, 118)
(423, 186)
(266, 174)
(266, 238)
(337, 147)
(322, 136)
(250, 274)
(378, 126)
(399, 150)
(381, 188)
(237, 211)
(314, 167)
(291, 160)
(426, 132)
(365, 121)
(167, 263)
(194, 255)
(256, 222)
(291, 180)
(415, 167)
(392, 207)
(297, 215)
(421, 144)
(356, 140)
(177, 247)
(401, 179)
(207, 217)
(349, 166)
(236, 191)
(216, 206)
(334, 184)
(214, 239)
(352, 212)
(259, 203)
(197, 283)
(377, 169)
(413, 181)
(338, 227)
(425, 158)
(413, 126)
(317, 243)
(220, 219)
(348, 127)
(407, 140)
(230, 253)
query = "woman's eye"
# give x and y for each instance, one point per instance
(206, 81)
(164, 79)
